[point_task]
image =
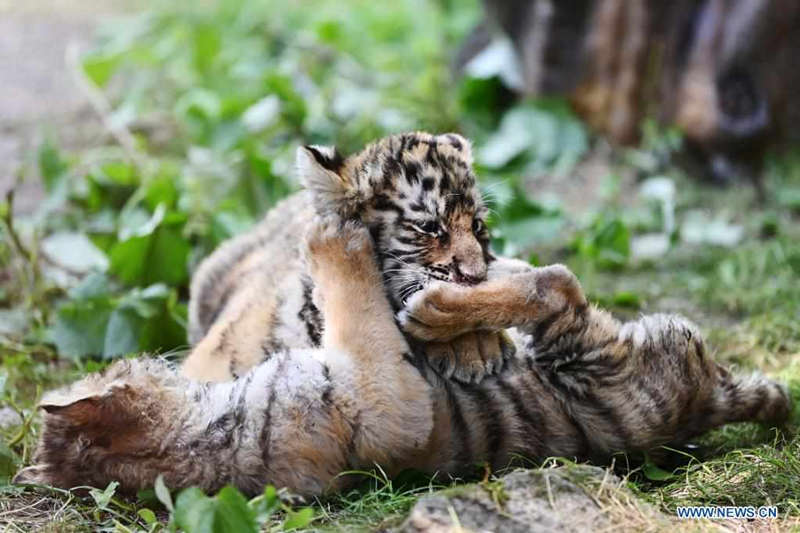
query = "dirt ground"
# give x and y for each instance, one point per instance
(37, 94)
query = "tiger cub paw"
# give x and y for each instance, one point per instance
(436, 313)
(336, 248)
(472, 356)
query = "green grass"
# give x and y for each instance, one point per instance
(209, 105)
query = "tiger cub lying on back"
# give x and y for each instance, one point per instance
(581, 384)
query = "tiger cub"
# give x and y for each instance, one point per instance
(416, 193)
(581, 385)
(297, 420)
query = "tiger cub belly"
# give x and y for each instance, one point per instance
(252, 298)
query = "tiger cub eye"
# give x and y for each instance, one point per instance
(431, 227)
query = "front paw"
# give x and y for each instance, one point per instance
(333, 244)
(433, 314)
(472, 356)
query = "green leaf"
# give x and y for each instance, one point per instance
(534, 230)
(228, 512)
(612, 241)
(95, 285)
(163, 494)
(606, 242)
(512, 139)
(147, 515)
(654, 473)
(9, 463)
(227, 224)
(259, 188)
(331, 32)
(80, 327)
(545, 132)
(522, 223)
(266, 504)
(137, 221)
(158, 253)
(100, 67)
(73, 251)
(194, 511)
(122, 333)
(147, 496)
(789, 197)
(103, 497)
(144, 321)
(233, 514)
(520, 207)
(161, 191)
(497, 60)
(298, 519)
(95, 322)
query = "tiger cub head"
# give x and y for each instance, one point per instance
(111, 425)
(418, 195)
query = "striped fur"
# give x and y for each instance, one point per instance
(581, 385)
(296, 420)
(415, 192)
(623, 386)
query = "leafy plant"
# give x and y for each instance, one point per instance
(606, 242)
(545, 134)
(519, 223)
(229, 511)
(96, 322)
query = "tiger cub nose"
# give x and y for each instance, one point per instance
(464, 276)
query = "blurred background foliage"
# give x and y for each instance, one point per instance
(204, 107)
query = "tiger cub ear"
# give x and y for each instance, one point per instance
(456, 145)
(102, 408)
(321, 171)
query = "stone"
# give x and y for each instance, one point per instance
(562, 499)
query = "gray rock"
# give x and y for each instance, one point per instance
(9, 418)
(544, 500)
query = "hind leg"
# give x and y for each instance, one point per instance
(670, 389)
(749, 398)
(671, 348)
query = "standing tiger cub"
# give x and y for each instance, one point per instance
(581, 384)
